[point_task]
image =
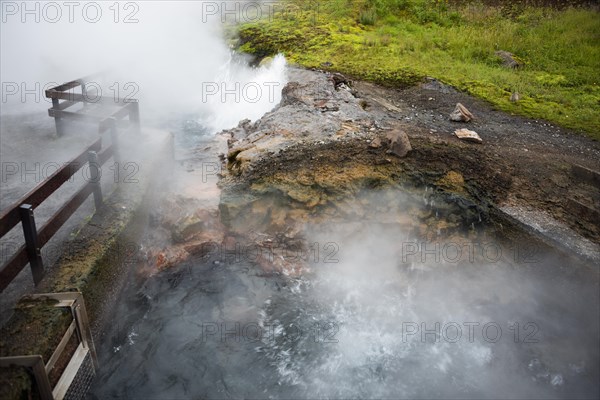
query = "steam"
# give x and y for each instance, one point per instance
(166, 54)
(169, 55)
(430, 326)
(240, 92)
(364, 323)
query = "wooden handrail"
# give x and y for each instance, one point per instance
(58, 111)
(22, 210)
(10, 217)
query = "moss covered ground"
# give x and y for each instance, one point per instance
(399, 42)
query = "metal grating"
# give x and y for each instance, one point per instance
(82, 381)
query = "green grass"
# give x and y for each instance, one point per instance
(398, 42)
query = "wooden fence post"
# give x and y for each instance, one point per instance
(95, 178)
(58, 122)
(31, 242)
(134, 115)
(114, 138)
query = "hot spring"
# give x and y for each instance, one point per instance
(377, 312)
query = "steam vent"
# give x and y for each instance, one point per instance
(300, 200)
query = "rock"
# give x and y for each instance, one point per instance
(202, 248)
(468, 136)
(325, 105)
(186, 228)
(434, 84)
(376, 143)
(461, 114)
(399, 144)
(160, 259)
(339, 79)
(508, 59)
(171, 209)
(271, 262)
(245, 124)
(309, 112)
(515, 97)
(290, 95)
(201, 225)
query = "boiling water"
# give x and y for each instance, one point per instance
(366, 322)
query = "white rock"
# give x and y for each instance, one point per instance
(467, 135)
(461, 114)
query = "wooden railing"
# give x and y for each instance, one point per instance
(105, 107)
(22, 211)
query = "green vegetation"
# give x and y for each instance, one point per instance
(398, 42)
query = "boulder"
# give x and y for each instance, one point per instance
(508, 59)
(515, 97)
(398, 142)
(461, 114)
(468, 136)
